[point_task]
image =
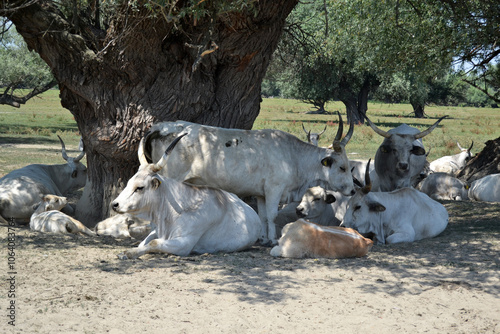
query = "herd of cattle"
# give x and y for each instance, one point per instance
(188, 194)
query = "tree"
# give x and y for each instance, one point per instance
(20, 68)
(123, 65)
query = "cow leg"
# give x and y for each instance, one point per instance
(407, 236)
(178, 246)
(147, 240)
(261, 208)
(272, 202)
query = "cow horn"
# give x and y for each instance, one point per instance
(368, 183)
(340, 130)
(460, 147)
(163, 161)
(307, 133)
(470, 148)
(348, 135)
(81, 147)
(376, 129)
(319, 134)
(429, 130)
(64, 155)
(140, 152)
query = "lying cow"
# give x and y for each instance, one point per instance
(22, 188)
(403, 215)
(305, 239)
(486, 189)
(442, 186)
(274, 166)
(48, 218)
(451, 164)
(123, 226)
(188, 219)
(401, 156)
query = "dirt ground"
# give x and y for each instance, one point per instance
(73, 284)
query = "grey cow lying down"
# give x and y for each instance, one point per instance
(185, 219)
(403, 215)
(48, 218)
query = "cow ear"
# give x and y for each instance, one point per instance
(327, 162)
(417, 150)
(329, 198)
(156, 182)
(376, 207)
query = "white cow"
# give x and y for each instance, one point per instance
(305, 239)
(443, 186)
(313, 138)
(123, 226)
(185, 218)
(48, 218)
(451, 164)
(401, 156)
(272, 165)
(486, 189)
(22, 188)
(403, 215)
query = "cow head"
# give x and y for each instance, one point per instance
(313, 138)
(50, 202)
(465, 155)
(141, 192)
(401, 155)
(314, 202)
(363, 211)
(335, 165)
(75, 169)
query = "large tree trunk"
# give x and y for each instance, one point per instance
(142, 70)
(418, 109)
(484, 163)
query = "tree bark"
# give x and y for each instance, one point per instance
(144, 69)
(418, 109)
(484, 163)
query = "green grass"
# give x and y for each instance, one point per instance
(42, 119)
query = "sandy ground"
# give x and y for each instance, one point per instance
(73, 284)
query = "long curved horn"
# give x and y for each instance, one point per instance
(470, 148)
(64, 154)
(460, 147)
(340, 130)
(307, 133)
(319, 134)
(429, 130)
(81, 147)
(377, 130)
(368, 183)
(163, 161)
(140, 152)
(348, 135)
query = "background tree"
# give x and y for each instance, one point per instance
(122, 65)
(20, 69)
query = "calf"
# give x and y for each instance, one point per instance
(123, 226)
(403, 215)
(48, 218)
(486, 189)
(185, 219)
(442, 186)
(305, 239)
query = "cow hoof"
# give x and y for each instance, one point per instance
(122, 256)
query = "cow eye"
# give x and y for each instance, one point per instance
(139, 189)
(342, 169)
(357, 207)
(316, 199)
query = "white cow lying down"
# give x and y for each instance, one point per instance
(187, 219)
(123, 226)
(443, 186)
(486, 189)
(403, 215)
(305, 239)
(48, 218)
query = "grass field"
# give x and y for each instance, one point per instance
(36, 125)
